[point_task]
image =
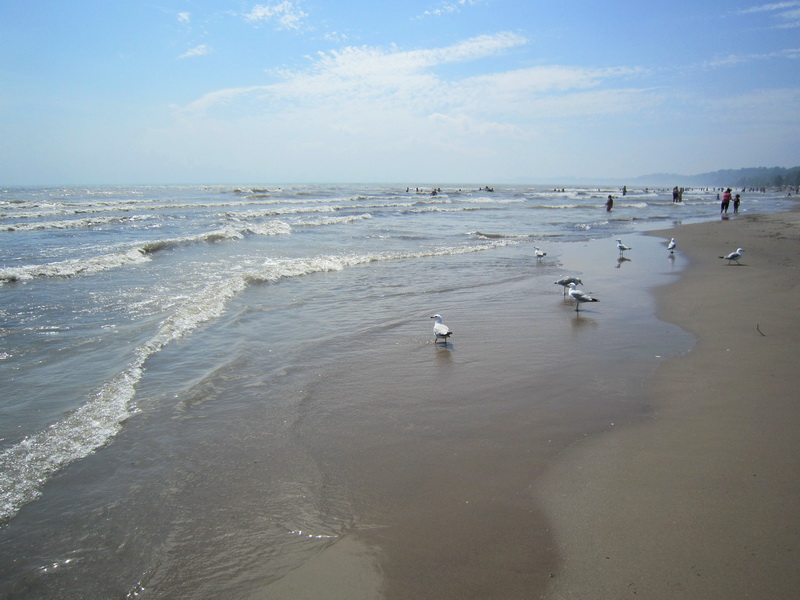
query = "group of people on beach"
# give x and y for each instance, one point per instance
(677, 196)
(726, 201)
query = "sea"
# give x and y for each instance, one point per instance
(162, 348)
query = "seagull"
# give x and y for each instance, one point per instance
(565, 281)
(622, 247)
(579, 296)
(440, 330)
(734, 256)
(538, 253)
(671, 246)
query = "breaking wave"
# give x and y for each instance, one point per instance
(26, 466)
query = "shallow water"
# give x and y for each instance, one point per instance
(210, 385)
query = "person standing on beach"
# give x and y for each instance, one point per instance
(726, 200)
(736, 202)
(609, 203)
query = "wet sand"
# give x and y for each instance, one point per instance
(699, 499)
(555, 461)
(434, 451)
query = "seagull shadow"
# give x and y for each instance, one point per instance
(570, 303)
(622, 259)
(444, 355)
(581, 321)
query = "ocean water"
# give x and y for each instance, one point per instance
(163, 347)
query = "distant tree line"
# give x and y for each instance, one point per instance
(755, 177)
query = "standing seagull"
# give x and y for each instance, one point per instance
(565, 281)
(671, 246)
(440, 330)
(579, 296)
(538, 253)
(622, 247)
(734, 256)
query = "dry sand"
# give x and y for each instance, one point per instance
(701, 499)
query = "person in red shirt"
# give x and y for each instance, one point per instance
(726, 201)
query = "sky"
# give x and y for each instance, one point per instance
(413, 91)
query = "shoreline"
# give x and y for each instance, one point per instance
(698, 499)
(447, 505)
(440, 446)
(466, 470)
(679, 497)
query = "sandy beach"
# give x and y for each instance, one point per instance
(644, 446)
(699, 499)
(692, 495)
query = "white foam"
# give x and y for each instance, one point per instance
(73, 267)
(26, 466)
(73, 223)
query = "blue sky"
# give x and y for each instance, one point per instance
(438, 91)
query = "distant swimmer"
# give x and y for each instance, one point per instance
(609, 203)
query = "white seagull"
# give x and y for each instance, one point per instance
(565, 281)
(622, 247)
(671, 246)
(734, 256)
(579, 296)
(538, 253)
(440, 330)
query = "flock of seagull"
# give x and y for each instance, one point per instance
(570, 285)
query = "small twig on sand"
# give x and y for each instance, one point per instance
(759, 330)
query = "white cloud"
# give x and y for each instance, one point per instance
(735, 59)
(360, 73)
(449, 7)
(769, 7)
(362, 63)
(379, 107)
(286, 14)
(360, 80)
(335, 36)
(787, 13)
(183, 17)
(200, 50)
